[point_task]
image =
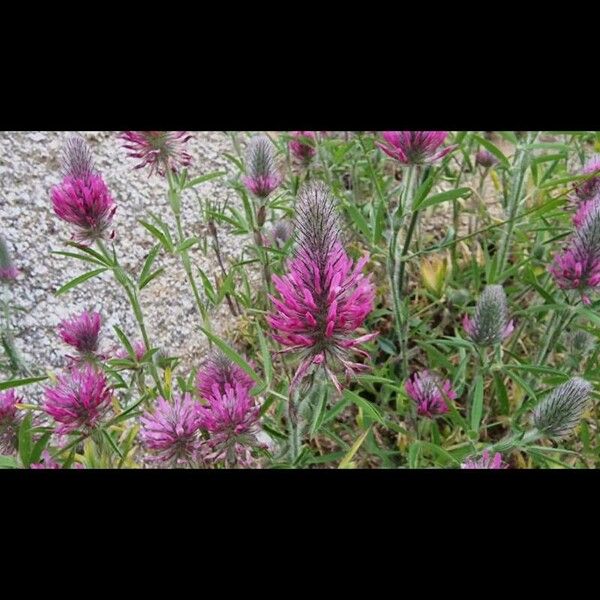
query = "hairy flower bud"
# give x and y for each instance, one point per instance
(490, 324)
(560, 412)
(262, 176)
(8, 272)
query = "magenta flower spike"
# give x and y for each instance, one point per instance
(429, 393)
(79, 400)
(302, 146)
(82, 198)
(324, 298)
(577, 267)
(171, 431)
(415, 147)
(485, 462)
(9, 421)
(262, 176)
(220, 371)
(82, 332)
(160, 151)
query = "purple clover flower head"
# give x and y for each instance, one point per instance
(220, 371)
(262, 176)
(232, 419)
(490, 324)
(324, 298)
(485, 158)
(171, 431)
(82, 198)
(10, 421)
(79, 400)
(302, 145)
(485, 462)
(429, 393)
(577, 267)
(8, 272)
(589, 188)
(415, 147)
(560, 412)
(82, 332)
(160, 151)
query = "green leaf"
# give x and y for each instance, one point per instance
(8, 462)
(38, 448)
(25, 441)
(13, 383)
(369, 408)
(151, 277)
(149, 262)
(82, 257)
(358, 219)
(501, 394)
(159, 235)
(232, 354)
(125, 341)
(187, 244)
(75, 282)
(443, 197)
(345, 462)
(266, 356)
(477, 406)
(204, 179)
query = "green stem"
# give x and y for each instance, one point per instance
(514, 202)
(131, 292)
(175, 202)
(396, 266)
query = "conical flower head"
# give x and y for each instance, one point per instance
(82, 332)
(160, 151)
(9, 421)
(220, 371)
(82, 198)
(490, 324)
(415, 147)
(560, 412)
(79, 400)
(577, 267)
(262, 176)
(171, 430)
(324, 297)
(430, 393)
(8, 272)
